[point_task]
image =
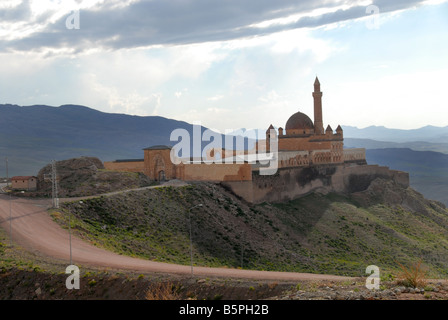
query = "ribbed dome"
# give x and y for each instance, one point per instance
(299, 121)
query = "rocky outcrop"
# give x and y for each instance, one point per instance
(86, 176)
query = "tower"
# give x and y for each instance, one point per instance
(318, 121)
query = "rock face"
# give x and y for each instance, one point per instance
(86, 176)
(387, 192)
(69, 172)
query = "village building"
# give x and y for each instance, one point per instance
(25, 183)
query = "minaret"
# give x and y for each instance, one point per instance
(318, 121)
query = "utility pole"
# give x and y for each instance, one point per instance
(7, 174)
(70, 236)
(10, 209)
(54, 194)
(191, 237)
(54, 186)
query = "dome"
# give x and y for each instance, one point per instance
(299, 121)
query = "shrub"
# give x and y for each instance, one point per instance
(414, 276)
(163, 291)
(273, 285)
(429, 288)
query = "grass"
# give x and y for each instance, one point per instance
(414, 276)
(163, 291)
(332, 234)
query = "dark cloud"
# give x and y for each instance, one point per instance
(18, 13)
(173, 22)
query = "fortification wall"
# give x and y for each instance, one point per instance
(217, 172)
(291, 183)
(128, 166)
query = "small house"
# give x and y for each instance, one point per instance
(28, 183)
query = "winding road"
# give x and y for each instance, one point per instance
(33, 229)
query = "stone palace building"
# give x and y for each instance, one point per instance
(309, 158)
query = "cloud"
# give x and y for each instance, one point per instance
(158, 98)
(216, 98)
(111, 25)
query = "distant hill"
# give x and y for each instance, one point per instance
(32, 136)
(421, 152)
(428, 170)
(414, 145)
(428, 134)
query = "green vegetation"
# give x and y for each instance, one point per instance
(17, 258)
(333, 234)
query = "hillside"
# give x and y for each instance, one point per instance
(332, 234)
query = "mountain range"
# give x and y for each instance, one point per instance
(422, 152)
(32, 136)
(430, 134)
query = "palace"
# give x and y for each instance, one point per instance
(303, 142)
(308, 158)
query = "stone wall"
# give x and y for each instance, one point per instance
(354, 155)
(291, 183)
(216, 172)
(128, 166)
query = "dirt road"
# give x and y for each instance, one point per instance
(33, 228)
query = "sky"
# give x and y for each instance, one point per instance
(231, 64)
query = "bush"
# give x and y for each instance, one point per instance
(414, 276)
(163, 291)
